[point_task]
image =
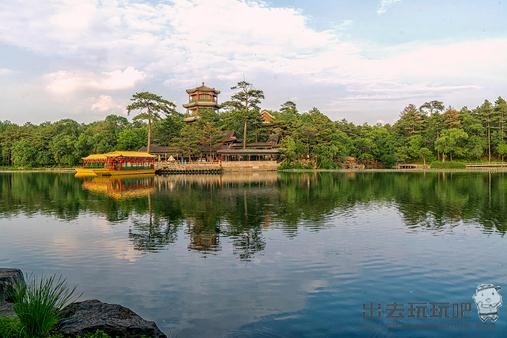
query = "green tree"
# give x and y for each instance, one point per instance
(150, 106)
(24, 154)
(452, 142)
(485, 112)
(247, 100)
(432, 107)
(131, 138)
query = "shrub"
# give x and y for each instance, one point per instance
(97, 334)
(38, 304)
(294, 165)
(448, 165)
(10, 327)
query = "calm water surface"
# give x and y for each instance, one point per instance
(292, 255)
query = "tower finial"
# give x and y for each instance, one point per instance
(203, 83)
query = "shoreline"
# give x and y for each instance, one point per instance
(394, 170)
(35, 170)
(468, 170)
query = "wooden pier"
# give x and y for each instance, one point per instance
(193, 168)
(486, 165)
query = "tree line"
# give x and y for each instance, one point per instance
(430, 132)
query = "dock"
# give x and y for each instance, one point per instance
(192, 168)
(486, 165)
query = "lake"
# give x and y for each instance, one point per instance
(270, 255)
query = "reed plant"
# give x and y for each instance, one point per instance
(39, 302)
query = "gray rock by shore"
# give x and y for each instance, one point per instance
(116, 320)
(84, 317)
(9, 278)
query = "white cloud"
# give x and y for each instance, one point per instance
(65, 82)
(105, 103)
(110, 46)
(385, 5)
(5, 71)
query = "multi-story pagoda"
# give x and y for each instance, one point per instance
(201, 97)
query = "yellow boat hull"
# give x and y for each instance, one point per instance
(86, 172)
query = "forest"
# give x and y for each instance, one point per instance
(431, 132)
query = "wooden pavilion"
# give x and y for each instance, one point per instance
(202, 97)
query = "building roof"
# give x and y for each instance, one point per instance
(248, 151)
(202, 103)
(203, 88)
(120, 153)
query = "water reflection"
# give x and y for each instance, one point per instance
(119, 187)
(239, 207)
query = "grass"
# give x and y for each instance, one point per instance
(38, 304)
(10, 327)
(448, 165)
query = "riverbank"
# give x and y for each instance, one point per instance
(436, 170)
(454, 170)
(35, 170)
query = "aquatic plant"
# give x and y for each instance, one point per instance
(38, 304)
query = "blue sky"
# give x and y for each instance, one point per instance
(359, 60)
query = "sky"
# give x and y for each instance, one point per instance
(360, 60)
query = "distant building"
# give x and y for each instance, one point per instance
(199, 98)
(266, 117)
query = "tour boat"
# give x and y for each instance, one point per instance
(117, 163)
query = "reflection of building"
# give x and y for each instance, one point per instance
(201, 97)
(121, 187)
(202, 236)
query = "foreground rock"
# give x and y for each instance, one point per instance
(9, 278)
(7, 310)
(117, 321)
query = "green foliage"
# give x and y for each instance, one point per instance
(420, 134)
(38, 304)
(447, 165)
(131, 138)
(10, 327)
(97, 334)
(149, 107)
(285, 165)
(24, 154)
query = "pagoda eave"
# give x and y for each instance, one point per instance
(201, 104)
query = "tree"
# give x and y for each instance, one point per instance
(432, 107)
(131, 139)
(424, 154)
(24, 154)
(247, 99)
(452, 142)
(288, 107)
(150, 106)
(485, 112)
(411, 121)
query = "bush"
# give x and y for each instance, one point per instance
(10, 327)
(294, 165)
(448, 165)
(97, 334)
(38, 304)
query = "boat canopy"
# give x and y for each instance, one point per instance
(113, 154)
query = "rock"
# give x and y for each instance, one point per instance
(8, 278)
(7, 310)
(89, 316)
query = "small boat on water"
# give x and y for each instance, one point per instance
(117, 163)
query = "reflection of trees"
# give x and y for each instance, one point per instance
(153, 235)
(217, 208)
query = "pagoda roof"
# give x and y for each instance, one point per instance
(120, 153)
(203, 88)
(201, 104)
